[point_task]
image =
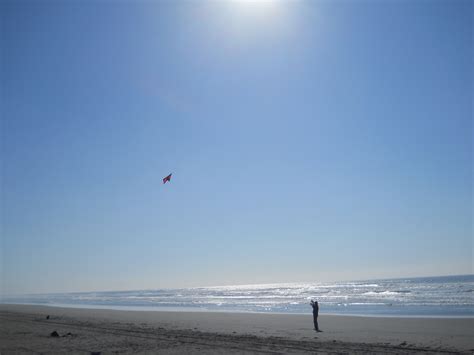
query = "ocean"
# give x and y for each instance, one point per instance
(447, 296)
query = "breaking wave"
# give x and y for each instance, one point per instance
(435, 296)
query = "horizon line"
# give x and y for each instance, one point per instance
(234, 285)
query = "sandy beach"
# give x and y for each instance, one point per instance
(26, 329)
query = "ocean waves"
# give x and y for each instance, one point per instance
(436, 296)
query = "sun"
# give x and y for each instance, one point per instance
(255, 4)
(254, 1)
(245, 23)
(256, 8)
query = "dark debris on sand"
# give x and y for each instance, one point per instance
(55, 334)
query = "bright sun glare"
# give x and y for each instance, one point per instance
(255, 5)
(259, 10)
(250, 21)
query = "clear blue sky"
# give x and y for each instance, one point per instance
(308, 140)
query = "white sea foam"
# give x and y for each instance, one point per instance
(451, 296)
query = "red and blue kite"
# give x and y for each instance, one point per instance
(166, 179)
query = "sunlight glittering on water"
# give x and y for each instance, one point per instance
(436, 296)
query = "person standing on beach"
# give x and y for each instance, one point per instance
(315, 306)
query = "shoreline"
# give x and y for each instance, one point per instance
(203, 310)
(194, 332)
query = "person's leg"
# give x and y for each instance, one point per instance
(316, 325)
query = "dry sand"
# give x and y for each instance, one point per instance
(25, 329)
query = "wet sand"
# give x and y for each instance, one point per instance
(25, 329)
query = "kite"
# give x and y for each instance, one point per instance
(166, 179)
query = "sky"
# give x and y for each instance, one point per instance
(308, 140)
